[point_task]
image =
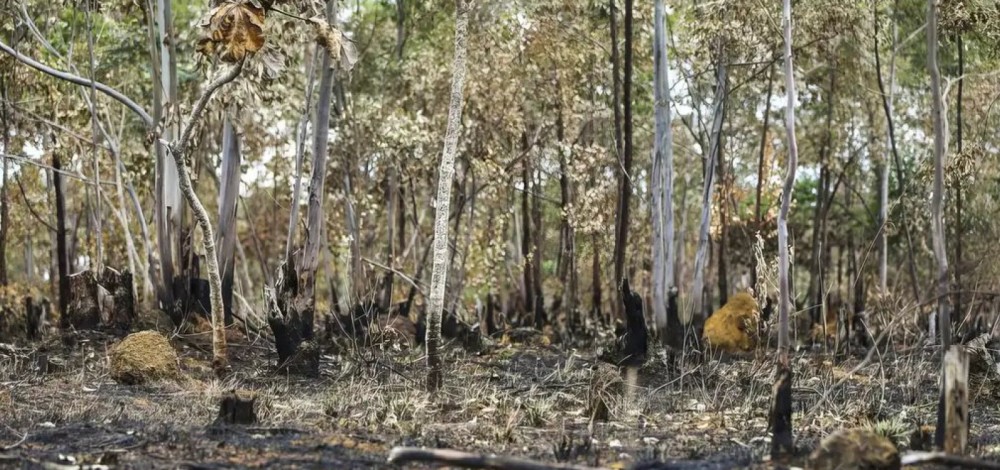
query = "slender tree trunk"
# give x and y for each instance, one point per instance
(530, 308)
(358, 279)
(784, 263)
(958, 181)
(230, 188)
(439, 271)
(883, 169)
(400, 28)
(662, 176)
(98, 262)
(715, 140)
(168, 197)
(625, 178)
(937, 223)
(619, 142)
(724, 181)
(300, 150)
(815, 295)
(758, 214)
(62, 257)
(781, 412)
(4, 202)
(912, 265)
(181, 156)
(536, 253)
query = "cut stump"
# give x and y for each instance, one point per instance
(953, 409)
(237, 408)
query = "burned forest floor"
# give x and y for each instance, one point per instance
(59, 405)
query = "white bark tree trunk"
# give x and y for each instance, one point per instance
(715, 142)
(446, 174)
(940, 143)
(662, 176)
(784, 286)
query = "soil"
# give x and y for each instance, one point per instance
(59, 405)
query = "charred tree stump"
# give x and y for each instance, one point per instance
(782, 444)
(635, 344)
(83, 312)
(953, 410)
(674, 336)
(104, 303)
(191, 296)
(119, 301)
(290, 317)
(237, 408)
(34, 313)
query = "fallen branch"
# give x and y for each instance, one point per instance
(922, 458)
(400, 455)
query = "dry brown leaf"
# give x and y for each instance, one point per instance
(233, 30)
(340, 48)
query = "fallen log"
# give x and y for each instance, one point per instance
(399, 455)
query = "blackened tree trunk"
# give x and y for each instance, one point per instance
(4, 208)
(61, 254)
(625, 173)
(230, 188)
(292, 302)
(526, 245)
(536, 255)
(619, 142)
(723, 225)
(816, 289)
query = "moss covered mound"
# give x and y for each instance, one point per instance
(733, 328)
(143, 357)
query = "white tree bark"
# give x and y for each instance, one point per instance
(937, 223)
(715, 141)
(442, 204)
(662, 176)
(784, 287)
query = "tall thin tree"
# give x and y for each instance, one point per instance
(937, 222)
(662, 175)
(442, 206)
(781, 411)
(625, 178)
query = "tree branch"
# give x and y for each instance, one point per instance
(180, 147)
(118, 96)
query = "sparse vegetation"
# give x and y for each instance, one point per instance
(253, 233)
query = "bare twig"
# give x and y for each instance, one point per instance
(464, 459)
(396, 272)
(16, 444)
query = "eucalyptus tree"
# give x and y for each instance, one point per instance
(446, 174)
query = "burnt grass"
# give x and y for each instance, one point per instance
(58, 405)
